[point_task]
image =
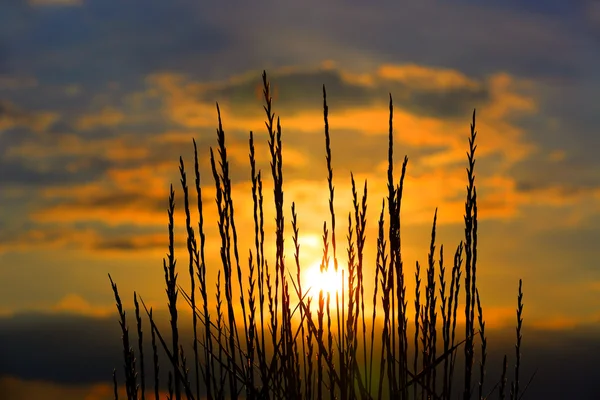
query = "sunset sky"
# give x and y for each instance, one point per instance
(99, 98)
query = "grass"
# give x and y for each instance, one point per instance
(270, 349)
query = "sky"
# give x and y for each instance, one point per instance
(99, 98)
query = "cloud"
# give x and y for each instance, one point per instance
(50, 353)
(99, 201)
(25, 173)
(107, 117)
(44, 237)
(418, 90)
(131, 244)
(103, 242)
(12, 116)
(124, 204)
(75, 304)
(21, 389)
(185, 102)
(435, 139)
(106, 196)
(79, 150)
(123, 179)
(354, 104)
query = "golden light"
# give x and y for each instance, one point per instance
(329, 281)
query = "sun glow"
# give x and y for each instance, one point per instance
(329, 281)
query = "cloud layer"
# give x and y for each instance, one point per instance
(99, 100)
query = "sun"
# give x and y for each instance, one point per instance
(329, 281)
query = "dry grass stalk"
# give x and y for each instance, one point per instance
(276, 355)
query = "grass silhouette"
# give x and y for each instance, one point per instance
(273, 349)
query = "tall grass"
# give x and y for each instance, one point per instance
(270, 348)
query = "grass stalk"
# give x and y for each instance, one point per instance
(330, 354)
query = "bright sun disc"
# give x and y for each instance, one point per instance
(328, 281)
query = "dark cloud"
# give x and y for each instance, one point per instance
(569, 178)
(137, 243)
(297, 91)
(27, 173)
(446, 104)
(480, 38)
(83, 349)
(475, 38)
(130, 244)
(78, 350)
(110, 40)
(564, 191)
(119, 199)
(302, 90)
(11, 114)
(107, 40)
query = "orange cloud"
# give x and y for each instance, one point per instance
(47, 237)
(16, 388)
(184, 104)
(12, 116)
(138, 195)
(107, 117)
(104, 243)
(559, 323)
(75, 304)
(117, 149)
(426, 77)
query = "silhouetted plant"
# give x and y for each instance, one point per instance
(277, 357)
